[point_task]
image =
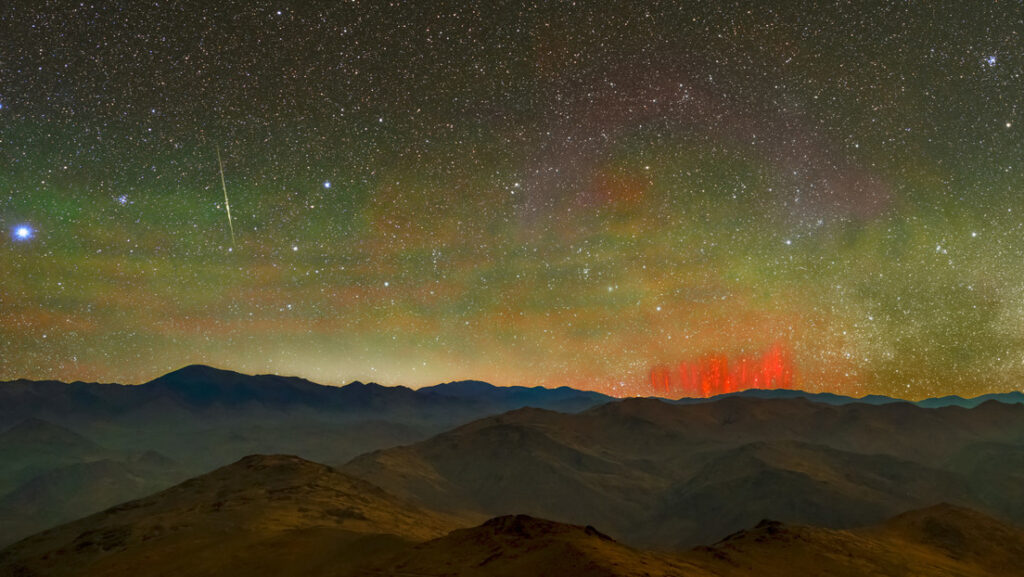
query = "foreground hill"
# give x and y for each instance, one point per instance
(654, 473)
(283, 516)
(519, 545)
(938, 541)
(263, 515)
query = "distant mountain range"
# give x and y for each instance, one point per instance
(1014, 397)
(202, 391)
(283, 516)
(205, 390)
(231, 414)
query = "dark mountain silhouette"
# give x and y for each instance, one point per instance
(1014, 397)
(825, 398)
(198, 388)
(68, 404)
(242, 412)
(563, 399)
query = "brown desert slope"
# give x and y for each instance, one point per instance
(938, 541)
(653, 473)
(964, 535)
(519, 545)
(263, 515)
(283, 516)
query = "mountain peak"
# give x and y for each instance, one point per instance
(469, 387)
(529, 527)
(196, 372)
(262, 462)
(201, 386)
(769, 525)
(360, 385)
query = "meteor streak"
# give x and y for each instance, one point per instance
(227, 205)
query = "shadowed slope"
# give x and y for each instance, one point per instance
(66, 493)
(654, 473)
(34, 446)
(797, 482)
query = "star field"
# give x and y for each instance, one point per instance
(553, 193)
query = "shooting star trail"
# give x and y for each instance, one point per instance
(227, 205)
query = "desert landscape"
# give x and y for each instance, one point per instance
(498, 481)
(413, 288)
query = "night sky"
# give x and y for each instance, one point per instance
(547, 193)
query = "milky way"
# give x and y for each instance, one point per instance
(527, 193)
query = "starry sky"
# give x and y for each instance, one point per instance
(528, 193)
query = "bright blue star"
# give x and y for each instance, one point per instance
(327, 184)
(991, 60)
(23, 232)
